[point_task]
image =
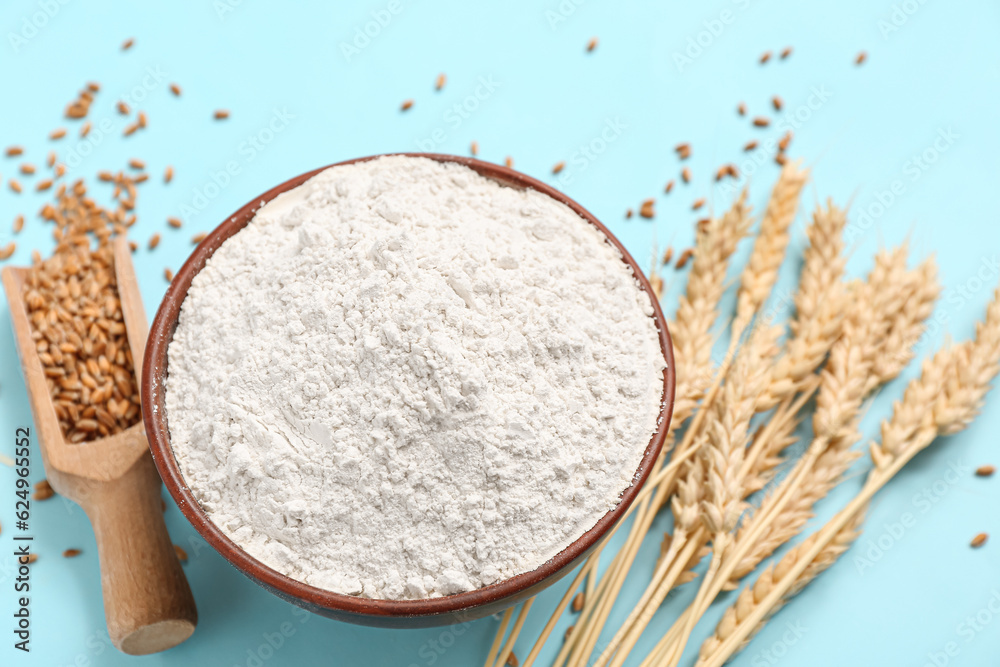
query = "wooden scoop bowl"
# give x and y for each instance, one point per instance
(147, 600)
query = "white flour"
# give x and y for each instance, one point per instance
(403, 380)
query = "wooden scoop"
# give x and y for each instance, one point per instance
(147, 600)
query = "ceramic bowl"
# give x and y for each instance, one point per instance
(386, 613)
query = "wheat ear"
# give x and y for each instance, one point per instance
(920, 293)
(820, 304)
(962, 375)
(728, 433)
(768, 253)
(698, 308)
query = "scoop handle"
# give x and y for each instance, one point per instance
(147, 600)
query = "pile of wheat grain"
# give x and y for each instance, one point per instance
(77, 321)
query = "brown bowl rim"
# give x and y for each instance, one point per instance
(154, 416)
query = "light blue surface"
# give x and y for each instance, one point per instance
(543, 99)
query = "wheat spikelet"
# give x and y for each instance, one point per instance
(822, 263)
(887, 333)
(689, 495)
(761, 271)
(844, 377)
(911, 414)
(766, 449)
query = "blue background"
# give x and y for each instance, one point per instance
(932, 76)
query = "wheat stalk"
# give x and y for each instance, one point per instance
(961, 375)
(491, 657)
(508, 647)
(710, 491)
(685, 505)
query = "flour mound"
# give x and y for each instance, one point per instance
(403, 380)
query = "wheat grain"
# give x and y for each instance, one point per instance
(77, 322)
